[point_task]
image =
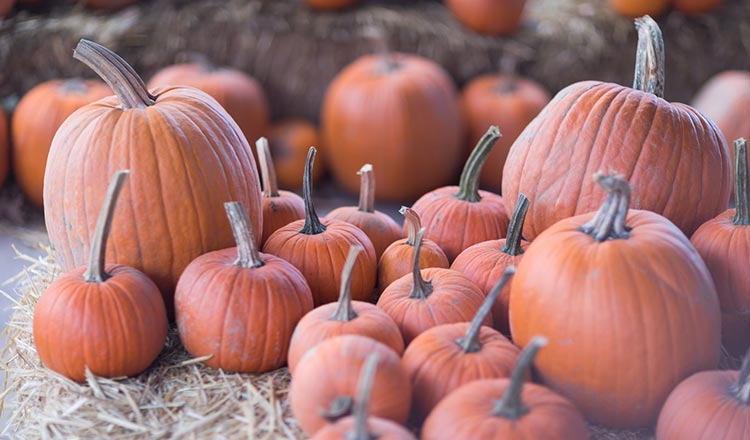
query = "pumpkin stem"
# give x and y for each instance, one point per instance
(468, 186)
(510, 406)
(512, 244)
(95, 272)
(609, 221)
(649, 58)
(340, 408)
(421, 288)
(248, 256)
(119, 76)
(267, 171)
(470, 341)
(378, 40)
(742, 387)
(413, 224)
(366, 188)
(508, 68)
(312, 225)
(344, 311)
(741, 199)
(362, 403)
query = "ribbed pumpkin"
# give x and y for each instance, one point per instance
(492, 17)
(639, 8)
(616, 278)
(188, 158)
(346, 317)
(36, 119)
(4, 148)
(330, 5)
(457, 217)
(484, 263)
(676, 160)
(108, 319)
(318, 249)
(289, 141)
(240, 306)
(696, 6)
(506, 409)
(447, 356)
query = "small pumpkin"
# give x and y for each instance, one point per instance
(380, 228)
(696, 6)
(325, 382)
(36, 119)
(397, 258)
(491, 17)
(330, 5)
(485, 263)
(4, 148)
(447, 356)
(346, 317)
(426, 298)
(318, 249)
(289, 141)
(108, 319)
(639, 8)
(460, 216)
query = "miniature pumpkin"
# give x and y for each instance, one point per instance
(676, 160)
(289, 141)
(506, 409)
(4, 148)
(639, 8)
(108, 319)
(460, 216)
(240, 306)
(36, 119)
(492, 17)
(346, 317)
(696, 6)
(330, 5)
(318, 249)
(189, 156)
(616, 278)
(324, 384)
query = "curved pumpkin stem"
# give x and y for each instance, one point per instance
(512, 244)
(413, 224)
(649, 58)
(468, 186)
(95, 272)
(420, 288)
(364, 395)
(267, 171)
(742, 387)
(470, 341)
(248, 256)
(366, 188)
(511, 406)
(609, 221)
(312, 225)
(344, 311)
(119, 76)
(741, 200)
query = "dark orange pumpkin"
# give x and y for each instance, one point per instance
(6, 6)
(616, 278)
(492, 17)
(188, 158)
(240, 306)
(318, 249)
(4, 148)
(447, 356)
(460, 216)
(639, 8)
(676, 160)
(346, 317)
(36, 119)
(108, 320)
(696, 6)
(330, 5)
(289, 141)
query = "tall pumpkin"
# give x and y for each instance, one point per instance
(187, 155)
(676, 160)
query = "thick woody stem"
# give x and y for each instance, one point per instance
(470, 341)
(413, 224)
(267, 171)
(247, 251)
(609, 221)
(511, 406)
(344, 310)
(649, 59)
(742, 387)
(512, 244)
(312, 225)
(741, 195)
(421, 288)
(364, 395)
(367, 188)
(468, 186)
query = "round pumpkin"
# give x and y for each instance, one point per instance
(639, 8)
(696, 6)
(4, 148)
(36, 119)
(676, 160)
(289, 141)
(492, 17)
(330, 5)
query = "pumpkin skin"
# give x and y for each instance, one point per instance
(289, 141)
(330, 5)
(33, 130)
(382, 429)
(639, 8)
(4, 148)
(491, 17)
(6, 6)
(696, 6)
(412, 157)
(108, 4)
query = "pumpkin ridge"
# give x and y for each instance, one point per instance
(643, 101)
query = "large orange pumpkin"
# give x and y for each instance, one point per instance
(187, 155)
(290, 139)
(696, 6)
(492, 17)
(639, 8)
(676, 160)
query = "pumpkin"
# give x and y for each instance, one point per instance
(380, 228)
(676, 160)
(426, 298)
(346, 317)
(4, 147)
(447, 356)
(639, 8)
(36, 119)
(458, 217)
(6, 6)
(484, 263)
(504, 100)
(106, 319)
(398, 112)
(616, 278)
(318, 249)
(506, 409)
(240, 94)
(491, 17)
(324, 384)
(707, 405)
(696, 6)
(289, 141)
(330, 5)
(240, 306)
(108, 4)
(724, 244)
(397, 258)
(188, 155)
(279, 207)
